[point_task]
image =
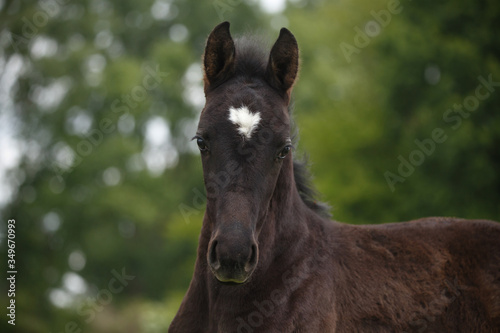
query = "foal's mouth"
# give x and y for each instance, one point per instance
(231, 280)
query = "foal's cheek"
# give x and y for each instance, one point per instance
(272, 179)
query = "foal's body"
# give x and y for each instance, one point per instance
(268, 259)
(428, 275)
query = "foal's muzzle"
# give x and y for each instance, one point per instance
(232, 255)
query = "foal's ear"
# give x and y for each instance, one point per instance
(283, 62)
(218, 59)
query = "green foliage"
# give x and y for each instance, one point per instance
(92, 182)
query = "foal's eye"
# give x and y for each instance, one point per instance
(282, 154)
(201, 144)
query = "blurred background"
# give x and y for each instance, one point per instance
(397, 106)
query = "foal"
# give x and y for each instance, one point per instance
(270, 260)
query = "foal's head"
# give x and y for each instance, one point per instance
(244, 139)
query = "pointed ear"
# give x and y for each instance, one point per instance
(283, 62)
(218, 59)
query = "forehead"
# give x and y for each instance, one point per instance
(244, 109)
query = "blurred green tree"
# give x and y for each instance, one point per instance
(366, 107)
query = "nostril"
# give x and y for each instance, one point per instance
(253, 259)
(212, 256)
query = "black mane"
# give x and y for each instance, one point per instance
(307, 192)
(251, 56)
(251, 60)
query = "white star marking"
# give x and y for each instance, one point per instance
(246, 121)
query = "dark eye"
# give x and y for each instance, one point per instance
(282, 154)
(201, 144)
